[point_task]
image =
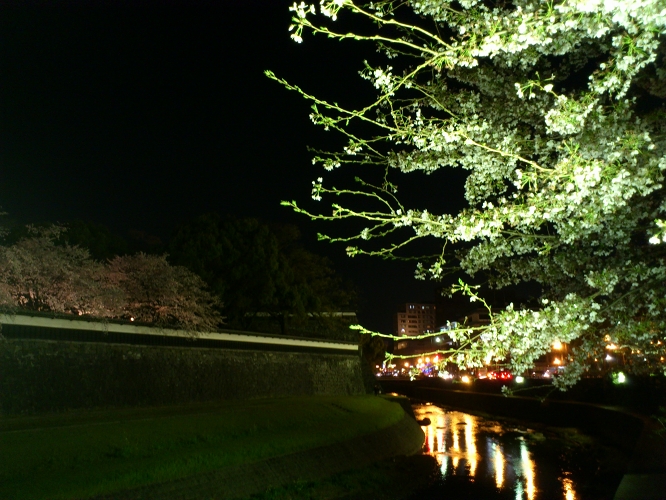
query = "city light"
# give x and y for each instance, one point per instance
(557, 345)
(619, 378)
(520, 379)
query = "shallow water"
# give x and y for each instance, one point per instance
(483, 459)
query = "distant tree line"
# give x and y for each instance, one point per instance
(215, 271)
(256, 268)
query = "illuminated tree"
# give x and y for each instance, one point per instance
(38, 275)
(555, 112)
(40, 272)
(156, 292)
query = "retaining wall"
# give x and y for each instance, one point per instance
(45, 375)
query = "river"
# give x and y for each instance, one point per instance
(484, 459)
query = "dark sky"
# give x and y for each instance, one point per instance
(140, 115)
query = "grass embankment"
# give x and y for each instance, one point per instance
(389, 479)
(82, 454)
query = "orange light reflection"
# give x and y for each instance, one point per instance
(529, 471)
(567, 485)
(498, 462)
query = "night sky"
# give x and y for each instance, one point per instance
(140, 115)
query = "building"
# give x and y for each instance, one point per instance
(415, 319)
(411, 320)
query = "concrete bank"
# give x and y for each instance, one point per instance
(634, 434)
(403, 438)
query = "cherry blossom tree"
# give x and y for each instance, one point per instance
(555, 111)
(156, 292)
(38, 275)
(41, 273)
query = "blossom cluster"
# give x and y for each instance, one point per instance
(554, 111)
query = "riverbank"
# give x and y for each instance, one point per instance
(230, 450)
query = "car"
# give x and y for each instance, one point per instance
(500, 375)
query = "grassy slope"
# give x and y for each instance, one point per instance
(84, 454)
(389, 479)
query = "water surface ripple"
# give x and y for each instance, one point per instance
(484, 459)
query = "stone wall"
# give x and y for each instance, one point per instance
(44, 376)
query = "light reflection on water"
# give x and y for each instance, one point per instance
(481, 450)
